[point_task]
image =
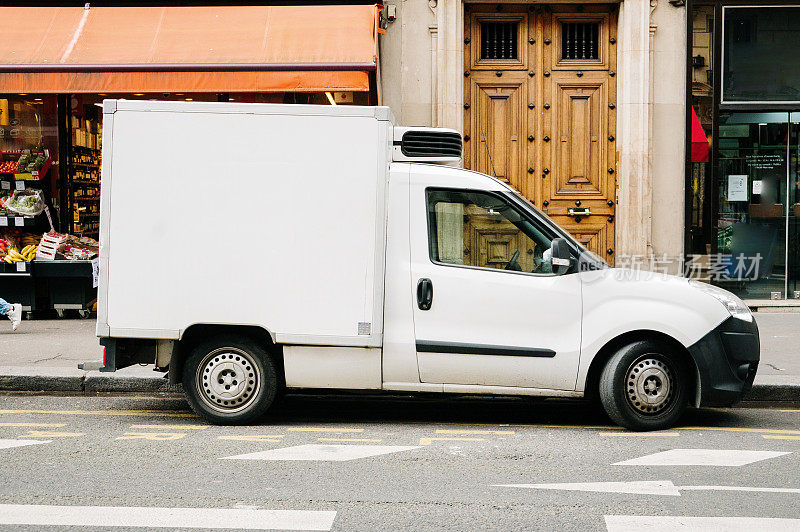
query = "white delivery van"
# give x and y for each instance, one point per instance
(251, 248)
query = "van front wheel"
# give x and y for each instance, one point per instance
(230, 380)
(644, 386)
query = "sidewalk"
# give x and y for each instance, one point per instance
(44, 356)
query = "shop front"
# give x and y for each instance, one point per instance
(743, 204)
(58, 66)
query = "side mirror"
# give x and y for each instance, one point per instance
(560, 256)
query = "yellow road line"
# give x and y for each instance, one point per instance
(147, 413)
(780, 437)
(33, 424)
(428, 441)
(351, 439)
(322, 429)
(791, 410)
(275, 438)
(638, 434)
(467, 431)
(742, 429)
(51, 434)
(503, 425)
(179, 427)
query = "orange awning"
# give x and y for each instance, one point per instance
(188, 49)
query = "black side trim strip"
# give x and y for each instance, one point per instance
(426, 346)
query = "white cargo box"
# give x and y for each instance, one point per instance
(245, 214)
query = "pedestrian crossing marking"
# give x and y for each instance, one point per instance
(184, 518)
(8, 444)
(366, 440)
(703, 457)
(467, 431)
(640, 434)
(780, 437)
(153, 436)
(51, 434)
(23, 425)
(172, 427)
(322, 429)
(324, 453)
(143, 413)
(428, 441)
(626, 523)
(274, 438)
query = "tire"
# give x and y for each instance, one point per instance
(644, 386)
(212, 380)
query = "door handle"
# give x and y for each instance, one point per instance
(583, 211)
(424, 294)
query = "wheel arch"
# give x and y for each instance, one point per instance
(200, 332)
(612, 346)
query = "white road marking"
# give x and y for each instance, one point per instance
(653, 487)
(7, 444)
(184, 518)
(702, 457)
(327, 453)
(649, 487)
(626, 523)
(739, 488)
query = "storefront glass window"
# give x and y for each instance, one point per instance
(753, 193)
(760, 59)
(702, 82)
(29, 151)
(793, 284)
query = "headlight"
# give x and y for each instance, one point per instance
(735, 306)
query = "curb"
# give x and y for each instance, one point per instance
(24, 379)
(768, 388)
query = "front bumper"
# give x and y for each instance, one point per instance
(727, 359)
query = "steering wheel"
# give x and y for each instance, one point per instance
(512, 264)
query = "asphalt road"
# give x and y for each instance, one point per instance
(343, 463)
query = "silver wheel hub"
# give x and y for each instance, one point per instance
(228, 379)
(649, 385)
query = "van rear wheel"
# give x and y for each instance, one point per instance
(644, 386)
(230, 380)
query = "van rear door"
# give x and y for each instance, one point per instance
(487, 309)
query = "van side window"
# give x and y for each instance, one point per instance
(483, 230)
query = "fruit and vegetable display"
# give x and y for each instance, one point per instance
(16, 246)
(74, 248)
(25, 163)
(27, 202)
(31, 162)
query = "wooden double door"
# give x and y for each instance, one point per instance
(540, 109)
